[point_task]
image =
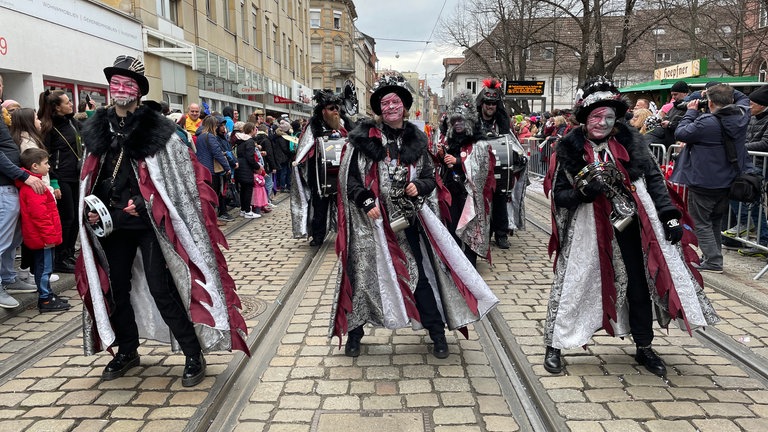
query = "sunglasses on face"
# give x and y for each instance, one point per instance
(332, 108)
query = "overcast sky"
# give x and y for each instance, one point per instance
(410, 20)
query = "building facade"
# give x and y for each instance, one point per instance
(332, 43)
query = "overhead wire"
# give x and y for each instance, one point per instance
(426, 45)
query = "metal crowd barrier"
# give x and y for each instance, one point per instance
(538, 155)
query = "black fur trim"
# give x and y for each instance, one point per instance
(147, 132)
(570, 150)
(414, 142)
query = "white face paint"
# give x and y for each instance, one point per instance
(600, 122)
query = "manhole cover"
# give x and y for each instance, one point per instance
(252, 307)
(371, 420)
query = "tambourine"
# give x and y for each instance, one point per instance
(104, 226)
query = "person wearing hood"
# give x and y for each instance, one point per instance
(615, 234)
(229, 118)
(705, 166)
(399, 266)
(467, 173)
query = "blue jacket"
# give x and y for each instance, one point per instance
(208, 149)
(703, 162)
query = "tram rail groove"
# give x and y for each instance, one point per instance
(21, 359)
(740, 354)
(243, 375)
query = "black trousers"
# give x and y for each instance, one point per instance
(246, 195)
(457, 206)
(67, 209)
(120, 249)
(319, 224)
(499, 215)
(638, 297)
(426, 303)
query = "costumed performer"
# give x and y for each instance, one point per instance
(142, 182)
(615, 234)
(398, 265)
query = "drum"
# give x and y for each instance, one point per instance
(510, 160)
(328, 152)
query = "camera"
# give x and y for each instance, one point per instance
(703, 104)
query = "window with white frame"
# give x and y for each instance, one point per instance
(168, 9)
(663, 56)
(314, 18)
(616, 50)
(339, 84)
(210, 10)
(471, 85)
(548, 53)
(723, 53)
(499, 54)
(337, 20)
(337, 54)
(763, 15)
(557, 85)
(226, 17)
(256, 27)
(276, 42)
(317, 52)
(527, 53)
(244, 17)
(267, 32)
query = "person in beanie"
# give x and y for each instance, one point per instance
(399, 265)
(613, 216)
(679, 92)
(170, 217)
(309, 203)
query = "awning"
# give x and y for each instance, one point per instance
(665, 84)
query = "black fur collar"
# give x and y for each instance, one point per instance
(145, 132)
(414, 142)
(570, 150)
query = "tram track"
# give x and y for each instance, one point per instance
(711, 337)
(54, 339)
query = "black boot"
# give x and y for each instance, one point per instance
(502, 241)
(440, 348)
(352, 348)
(194, 371)
(120, 365)
(646, 357)
(552, 362)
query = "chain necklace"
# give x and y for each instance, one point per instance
(117, 165)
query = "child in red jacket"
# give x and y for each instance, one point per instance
(40, 229)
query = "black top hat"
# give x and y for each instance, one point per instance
(394, 83)
(129, 67)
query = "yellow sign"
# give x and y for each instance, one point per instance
(688, 69)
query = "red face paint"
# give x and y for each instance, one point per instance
(124, 90)
(392, 108)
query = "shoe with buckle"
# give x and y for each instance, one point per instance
(653, 364)
(194, 371)
(120, 365)
(440, 346)
(352, 348)
(552, 361)
(502, 242)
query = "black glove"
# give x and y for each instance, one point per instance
(673, 231)
(591, 191)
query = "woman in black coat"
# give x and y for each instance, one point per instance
(247, 167)
(61, 137)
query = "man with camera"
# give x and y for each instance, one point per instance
(704, 166)
(679, 93)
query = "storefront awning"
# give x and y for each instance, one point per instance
(665, 84)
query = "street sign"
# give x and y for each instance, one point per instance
(281, 100)
(524, 88)
(248, 90)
